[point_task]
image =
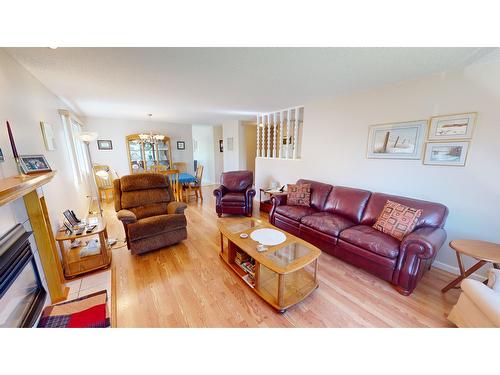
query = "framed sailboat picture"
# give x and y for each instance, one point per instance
(402, 140)
(452, 127)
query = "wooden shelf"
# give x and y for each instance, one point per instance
(15, 187)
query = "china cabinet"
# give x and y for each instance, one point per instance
(145, 155)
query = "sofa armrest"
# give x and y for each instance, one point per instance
(416, 252)
(126, 216)
(486, 300)
(176, 208)
(276, 200)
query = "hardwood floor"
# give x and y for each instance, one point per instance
(187, 285)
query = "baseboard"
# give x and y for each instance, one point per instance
(456, 271)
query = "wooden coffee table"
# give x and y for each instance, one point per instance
(283, 275)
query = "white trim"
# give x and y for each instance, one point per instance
(456, 271)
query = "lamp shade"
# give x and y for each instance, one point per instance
(88, 136)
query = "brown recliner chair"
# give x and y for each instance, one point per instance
(145, 205)
(235, 195)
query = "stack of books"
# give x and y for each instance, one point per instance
(241, 257)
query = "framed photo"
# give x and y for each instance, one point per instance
(221, 145)
(104, 144)
(49, 137)
(460, 126)
(181, 145)
(446, 153)
(401, 140)
(34, 164)
(1, 156)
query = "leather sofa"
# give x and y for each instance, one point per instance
(339, 221)
(235, 194)
(152, 219)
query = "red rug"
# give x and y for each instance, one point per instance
(85, 312)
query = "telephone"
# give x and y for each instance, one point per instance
(71, 217)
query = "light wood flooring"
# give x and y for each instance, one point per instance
(187, 285)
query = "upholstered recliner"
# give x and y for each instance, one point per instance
(235, 194)
(151, 218)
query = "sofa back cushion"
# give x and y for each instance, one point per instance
(141, 181)
(347, 202)
(236, 181)
(433, 214)
(319, 193)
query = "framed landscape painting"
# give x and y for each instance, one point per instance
(446, 153)
(448, 127)
(401, 140)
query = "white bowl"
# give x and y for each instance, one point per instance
(244, 235)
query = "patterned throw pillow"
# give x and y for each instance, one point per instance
(397, 220)
(299, 195)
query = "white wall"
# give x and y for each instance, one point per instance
(25, 102)
(203, 151)
(231, 129)
(335, 139)
(218, 156)
(118, 129)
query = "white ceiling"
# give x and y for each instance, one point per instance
(209, 85)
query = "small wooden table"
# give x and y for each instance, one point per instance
(483, 251)
(266, 205)
(74, 263)
(283, 275)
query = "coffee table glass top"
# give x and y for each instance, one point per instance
(289, 254)
(237, 226)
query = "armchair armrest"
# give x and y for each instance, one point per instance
(220, 191)
(249, 193)
(176, 208)
(126, 216)
(416, 252)
(487, 300)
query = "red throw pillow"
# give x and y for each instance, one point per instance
(397, 220)
(299, 195)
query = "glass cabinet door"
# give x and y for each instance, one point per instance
(164, 153)
(149, 153)
(136, 156)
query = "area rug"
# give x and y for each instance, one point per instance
(85, 312)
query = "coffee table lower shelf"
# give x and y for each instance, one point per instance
(281, 291)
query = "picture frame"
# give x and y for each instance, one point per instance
(221, 145)
(452, 127)
(104, 144)
(48, 135)
(181, 145)
(2, 158)
(398, 140)
(34, 164)
(446, 153)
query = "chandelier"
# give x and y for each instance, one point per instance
(151, 138)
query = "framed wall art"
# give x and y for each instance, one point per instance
(451, 127)
(446, 153)
(34, 164)
(181, 145)
(401, 140)
(104, 144)
(49, 137)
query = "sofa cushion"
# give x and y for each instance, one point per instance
(299, 195)
(319, 192)
(141, 181)
(233, 197)
(295, 212)
(327, 223)
(347, 202)
(397, 220)
(433, 214)
(371, 239)
(151, 226)
(137, 198)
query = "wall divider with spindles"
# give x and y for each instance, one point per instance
(279, 133)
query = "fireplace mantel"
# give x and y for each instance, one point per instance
(12, 188)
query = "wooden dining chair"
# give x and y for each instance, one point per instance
(104, 176)
(173, 177)
(196, 186)
(180, 166)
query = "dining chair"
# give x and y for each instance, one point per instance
(173, 176)
(180, 166)
(196, 186)
(104, 176)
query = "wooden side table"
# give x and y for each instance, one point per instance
(75, 263)
(266, 205)
(484, 252)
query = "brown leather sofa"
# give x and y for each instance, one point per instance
(339, 221)
(151, 218)
(235, 194)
